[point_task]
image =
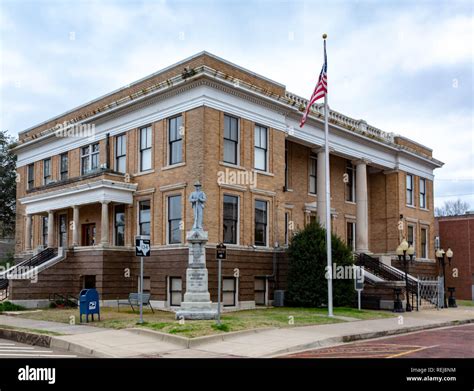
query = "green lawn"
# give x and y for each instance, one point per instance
(466, 303)
(232, 321)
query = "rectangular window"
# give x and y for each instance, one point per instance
(176, 291)
(47, 171)
(410, 199)
(231, 219)
(260, 147)
(422, 193)
(287, 168)
(144, 218)
(261, 223)
(424, 243)
(175, 137)
(62, 230)
(350, 235)
(64, 166)
(121, 153)
(312, 174)
(89, 159)
(145, 148)
(411, 235)
(287, 228)
(146, 284)
(350, 182)
(31, 176)
(260, 291)
(231, 139)
(229, 291)
(174, 219)
(44, 231)
(119, 223)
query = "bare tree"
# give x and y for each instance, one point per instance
(452, 208)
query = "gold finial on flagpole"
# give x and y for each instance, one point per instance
(325, 36)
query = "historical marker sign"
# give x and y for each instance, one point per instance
(221, 252)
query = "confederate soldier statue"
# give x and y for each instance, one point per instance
(197, 199)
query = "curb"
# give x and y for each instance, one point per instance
(26, 337)
(191, 343)
(359, 337)
(76, 348)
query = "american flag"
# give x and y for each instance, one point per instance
(321, 88)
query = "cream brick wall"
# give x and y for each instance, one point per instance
(203, 156)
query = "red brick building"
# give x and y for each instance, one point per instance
(457, 233)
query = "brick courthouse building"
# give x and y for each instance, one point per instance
(237, 133)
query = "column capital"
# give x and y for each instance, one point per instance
(357, 162)
(105, 202)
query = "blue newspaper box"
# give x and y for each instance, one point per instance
(89, 304)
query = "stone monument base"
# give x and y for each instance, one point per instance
(196, 311)
(196, 303)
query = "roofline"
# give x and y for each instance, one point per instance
(202, 53)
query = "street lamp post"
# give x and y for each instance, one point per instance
(402, 251)
(442, 255)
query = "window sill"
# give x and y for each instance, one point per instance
(143, 173)
(230, 165)
(312, 195)
(263, 172)
(288, 190)
(424, 209)
(411, 206)
(170, 167)
(350, 202)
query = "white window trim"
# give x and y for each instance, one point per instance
(114, 221)
(267, 154)
(236, 294)
(311, 159)
(168, 291)
(115, 150)
(426, 229)
(50, 171)
(238, 142)
(138, 216)
(414, 234)
(238, 220)
(168, 160)
(420, 193)
(90, 154)
(412, 191)
(350, 221)
(148, 171)
(167, 241)
(267, 245)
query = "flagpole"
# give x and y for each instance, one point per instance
(328, 196)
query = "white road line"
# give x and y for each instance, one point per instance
(2, 348)
(7, 344)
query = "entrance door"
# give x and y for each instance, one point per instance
(63, 230)
(88, 234)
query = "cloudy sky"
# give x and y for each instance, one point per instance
(405, 67)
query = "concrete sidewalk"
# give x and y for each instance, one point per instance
(56, 327)
(100, 342)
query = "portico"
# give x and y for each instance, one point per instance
(103, 191)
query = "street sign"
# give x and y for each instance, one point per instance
(221, 252)
(142, 246)
(221, 255)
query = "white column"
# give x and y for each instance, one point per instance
(362, 211)
(320, 187)
(28, 226)
(104, 224)
(50, 228)
(75, 225)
